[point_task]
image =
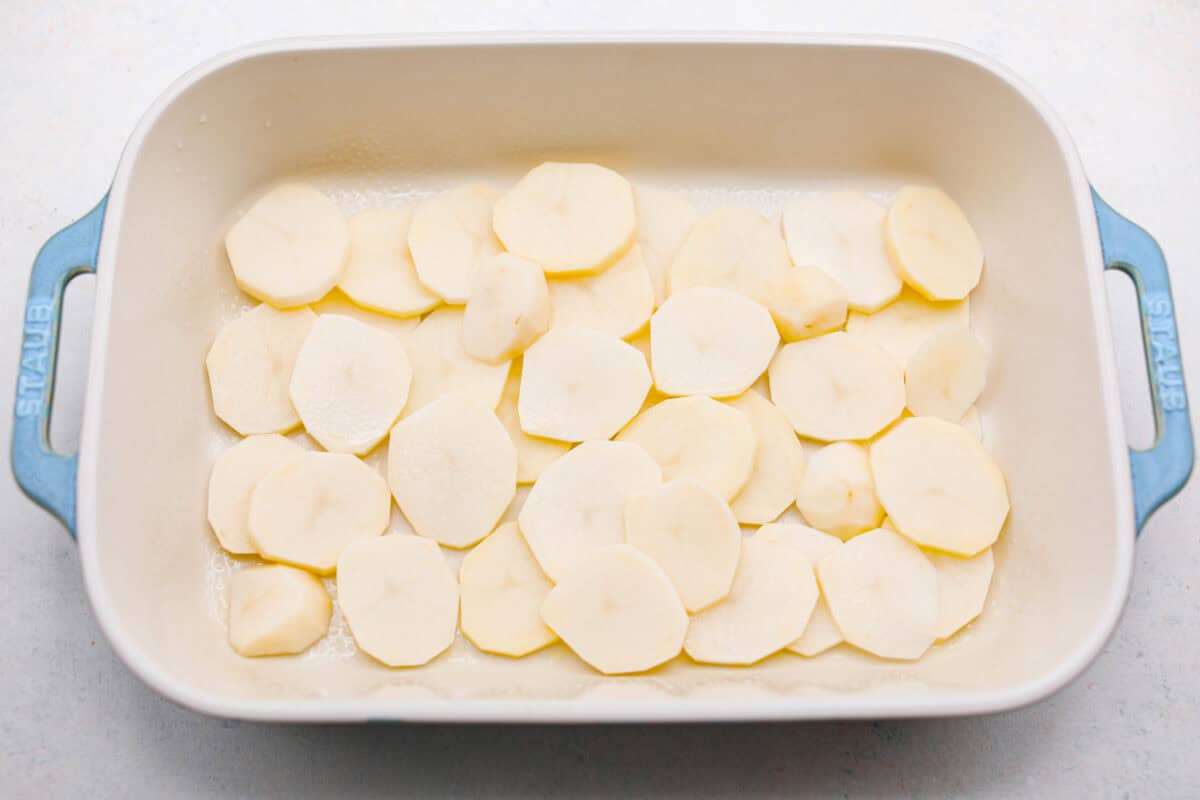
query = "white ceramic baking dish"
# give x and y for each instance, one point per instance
(738, 119)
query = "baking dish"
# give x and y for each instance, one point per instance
(735, 119)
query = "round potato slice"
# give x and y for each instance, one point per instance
(399, 598)
(618, 611)
(946, 374)
(778, 462)
(250, 366)
(882, 592)
(276, 610)
(579, 384)
(932, 245)
(697, 438)
(534, 453)
(453, 470)
(962, 588)
(822, 632)
(308, 510)
(664, 220)
(710, 341)
(570, 218)
(618, 300)
(836, 387)
(234, 476)
(731, 248)
(901, 326)
(769, 606)
(939, 486)
(502, 594)
(349, 383)
(451, 239)
(380, 274)
(689, 532)
(290, 248)
(336, 302)
(805, 302)
(508, 310)
(577, 506)
(441, 365)
(837, 494)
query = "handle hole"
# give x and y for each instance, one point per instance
(1136, 407)
(70, 377)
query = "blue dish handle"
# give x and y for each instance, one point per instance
(1162, 470)
(46, 476)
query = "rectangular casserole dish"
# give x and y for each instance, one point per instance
(742, 119)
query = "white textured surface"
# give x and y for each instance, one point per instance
(1125, 76)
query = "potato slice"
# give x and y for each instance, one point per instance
(901, 326)
(946, 375)
(837, 494)
(577, 506)
(972, 423)
(769, 606)
(689, 532)
(453, 470)
(570, 218)
(579, 384)
(451, 239)
(697, 438)
(380, 274)
(932, 245)
(311, 508)
(962, 588)
(534, 453)
(349, 383)
(234, 476)
(618, 611)
(882, 592)
(250, 366)
(732, 248)
(710, 341)
(805, 302)
(502, 594)
(276, 610)
(399, 598)
(939, 486)
(508, 310)
(778, 462)
(618, 300)
(441, 365)
(822, 632)
(836, 387)
(841, 233)
(664, 219)
(336, 302)
(290, 248)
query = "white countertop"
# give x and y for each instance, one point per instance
(1125, 77)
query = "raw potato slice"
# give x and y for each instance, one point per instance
(772, 599)
(290, 248)
(732, 248)
(534, 453)
(837, 494)
(841, 233)
(778, 462)
(570, 218)
(276, 610)
(307, 511)
(691, 534)
(805, 302)
(882, 592)
(451, 238)
(337, 303)
(962, 589)
(577, 506)
(502, 594)
(946, 374)
(618, 611)
(836, 386)
(579, 384)
(234, 476)
(822, 632)
(932, 245)
(453, 470)
(508, 310)
(697, 438)
(441, 366)
(901, 326)
(250, 366)
(939, 486)
(399, 598)
(972, 424)
(618, 300)
(664, 219)
(349, 383)
(380, 274)
(710, 341)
